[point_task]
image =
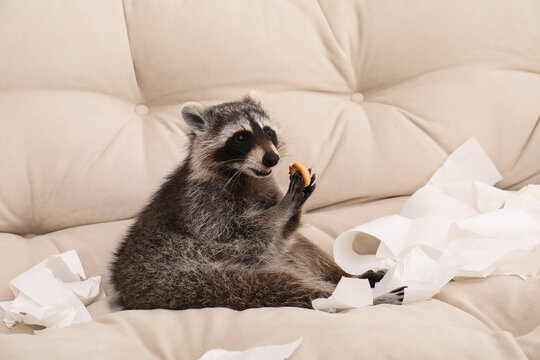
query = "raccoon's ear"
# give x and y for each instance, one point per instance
(253, 95)
(193, 114)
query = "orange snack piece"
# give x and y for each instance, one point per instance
(299, 166)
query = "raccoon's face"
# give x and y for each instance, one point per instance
(233, 138)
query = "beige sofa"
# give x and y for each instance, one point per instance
(372, 94)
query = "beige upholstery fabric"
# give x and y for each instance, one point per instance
(372, 94)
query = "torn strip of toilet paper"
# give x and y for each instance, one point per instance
(51, 294)
(268, 352)
(458, 224)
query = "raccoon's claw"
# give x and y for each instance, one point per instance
(394, 297)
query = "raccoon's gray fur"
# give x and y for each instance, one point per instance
(218, 233)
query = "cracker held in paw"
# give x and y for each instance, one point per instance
(299, 166)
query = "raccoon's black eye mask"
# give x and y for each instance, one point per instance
(271, 134)
(240, 142)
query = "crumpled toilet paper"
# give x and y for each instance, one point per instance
(349, 293)
(458, 224)
(268, 352)
(51, 294)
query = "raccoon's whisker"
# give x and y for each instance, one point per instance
(232, 177)
(242, 168)
(283, 152)
(222, 171)
(229, 181)
(238, 177)
(232, 160)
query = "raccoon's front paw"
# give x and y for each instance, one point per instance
(297, 193)
(394, 297)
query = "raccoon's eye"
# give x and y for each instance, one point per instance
(271, 134)
(239, 138)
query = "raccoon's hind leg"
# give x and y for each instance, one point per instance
(224, 285)
(307, 257)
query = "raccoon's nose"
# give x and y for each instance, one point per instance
(270, 159)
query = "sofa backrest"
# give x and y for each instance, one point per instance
(372, 94)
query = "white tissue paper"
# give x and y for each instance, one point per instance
(349, 293)
(51, 294)
(268, 352)
(458, 224)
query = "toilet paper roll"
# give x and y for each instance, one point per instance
(458, 224)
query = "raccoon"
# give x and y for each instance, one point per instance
(219, 233)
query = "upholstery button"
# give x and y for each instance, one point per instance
(141, 109)
(357, 97)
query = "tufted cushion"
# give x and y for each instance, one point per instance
(372, 94)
